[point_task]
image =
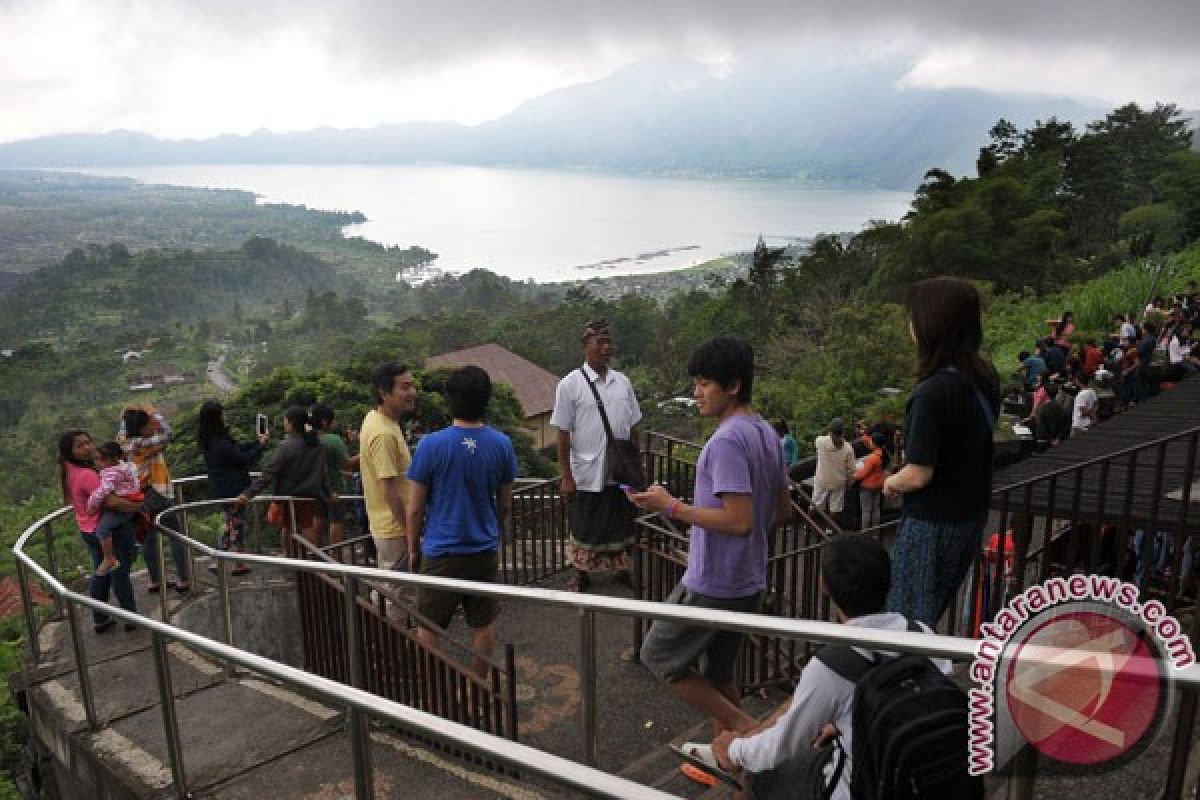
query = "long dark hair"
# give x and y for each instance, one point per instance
(209, 423)
(135, 419)
(302, 425)
(66, 455)
(945, 316)
(1067, 316)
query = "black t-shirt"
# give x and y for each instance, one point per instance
(1053, 422)
(945, 428)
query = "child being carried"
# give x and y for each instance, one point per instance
(116, 477)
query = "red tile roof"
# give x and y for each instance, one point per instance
(10, 596)
(534, 386)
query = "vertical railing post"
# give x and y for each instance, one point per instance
(81, 667)
(226, 610)
(52, 567)
(1023, 774)
(166, 697)
(294, 531)
(360, 753)
(31, 629)
(185, 524)
(356, 720)
(353, 645)
(161, 557)
(587, 674)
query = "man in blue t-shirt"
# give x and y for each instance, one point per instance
(461, 480)
(741, 494)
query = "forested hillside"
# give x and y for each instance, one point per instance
(1055, 218)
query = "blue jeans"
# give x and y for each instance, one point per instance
(931, 559)
(111, 520)
(150, 555)
(117, 581)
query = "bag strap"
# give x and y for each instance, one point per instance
(832, 784)
(599, 407)
(984, 406)
(847, 662)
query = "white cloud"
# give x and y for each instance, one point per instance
(1146, 77)
(184, 68)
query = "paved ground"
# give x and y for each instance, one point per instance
(248, 739)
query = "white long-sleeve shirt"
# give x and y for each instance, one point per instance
(821, 696)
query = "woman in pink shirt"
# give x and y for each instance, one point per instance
(79, 480)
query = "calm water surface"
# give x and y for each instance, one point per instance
(549, 225)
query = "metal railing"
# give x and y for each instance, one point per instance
(374, 646)
(362, 706)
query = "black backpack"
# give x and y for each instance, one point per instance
(910, 727)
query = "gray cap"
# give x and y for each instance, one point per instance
(836, 426)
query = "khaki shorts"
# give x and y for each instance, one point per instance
(391, 552)
(439, 605)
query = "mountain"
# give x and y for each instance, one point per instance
(780, 118)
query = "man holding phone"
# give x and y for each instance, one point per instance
(742, 492)
(601, 517)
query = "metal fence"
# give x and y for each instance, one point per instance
(364, 635)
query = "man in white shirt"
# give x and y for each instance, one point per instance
(779, 756)
(601, 515)
(1087, 405)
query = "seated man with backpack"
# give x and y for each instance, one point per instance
(856, 710)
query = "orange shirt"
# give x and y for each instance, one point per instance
(870, 474)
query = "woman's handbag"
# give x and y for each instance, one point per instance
(623, 456)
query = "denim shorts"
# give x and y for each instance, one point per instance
(671, 649)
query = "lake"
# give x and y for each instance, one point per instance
(548, 225)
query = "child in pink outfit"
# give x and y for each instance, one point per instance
(116, 477)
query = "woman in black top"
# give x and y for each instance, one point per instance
(228, 465)
(296, 469)
(947, 478)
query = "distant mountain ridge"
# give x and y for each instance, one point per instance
(847, 125)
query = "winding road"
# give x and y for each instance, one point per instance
(217, 376)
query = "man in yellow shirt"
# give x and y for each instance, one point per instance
(384, 458)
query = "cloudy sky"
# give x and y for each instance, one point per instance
(190, 69)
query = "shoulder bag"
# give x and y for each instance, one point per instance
(623, 456)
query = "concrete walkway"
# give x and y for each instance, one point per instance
(249, 739)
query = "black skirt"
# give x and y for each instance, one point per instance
(602, 521)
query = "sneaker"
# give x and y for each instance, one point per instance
(106, 566)
(701, 754)
(106, 626)
(130, 627)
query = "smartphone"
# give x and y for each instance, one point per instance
(260, 425)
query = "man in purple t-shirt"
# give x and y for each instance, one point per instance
(741, 493)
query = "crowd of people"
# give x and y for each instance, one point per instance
(1058, 385)
(442, 509)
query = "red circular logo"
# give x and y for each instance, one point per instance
(1083, 687)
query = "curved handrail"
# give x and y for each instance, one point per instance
(564, 771)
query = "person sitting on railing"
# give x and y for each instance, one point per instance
(296, 469)
(228, 465)
(78, 478)
(463, 476)
(741, 494)
(781, 756)
(947, 478)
